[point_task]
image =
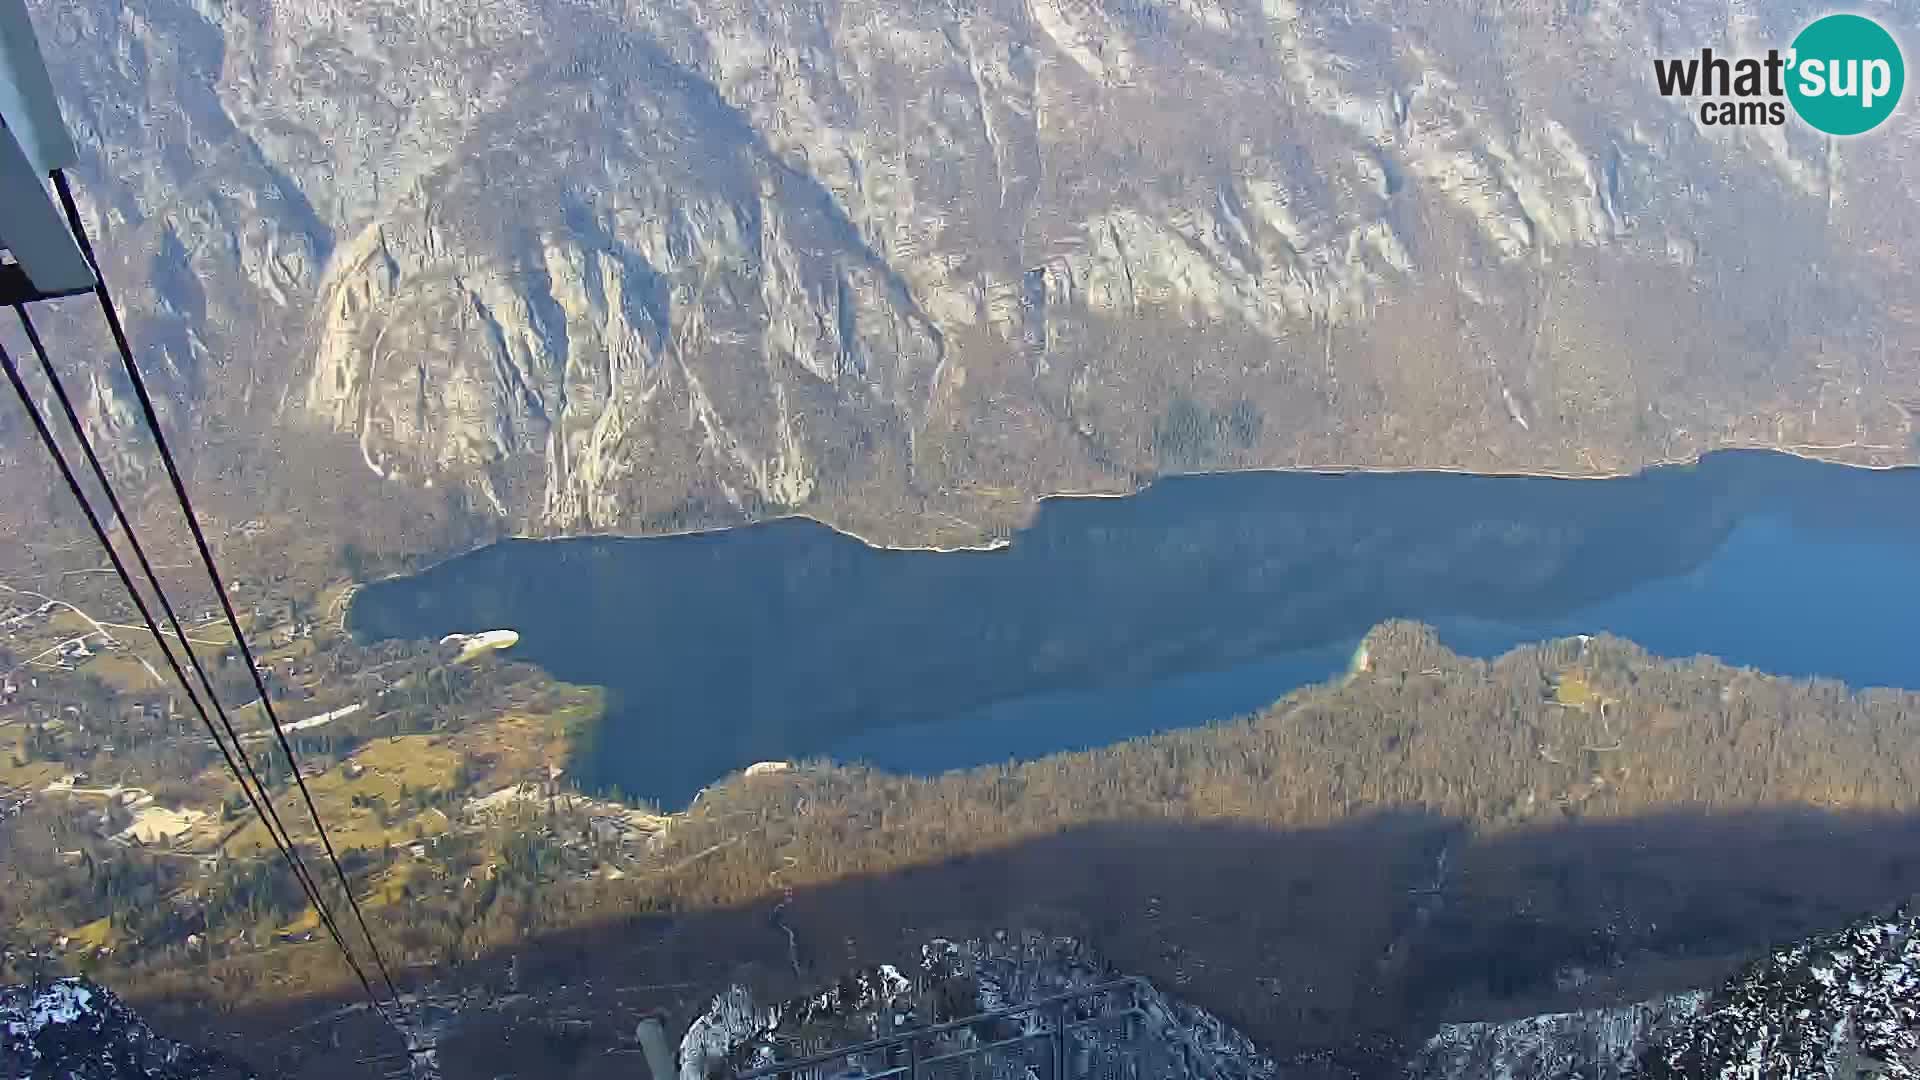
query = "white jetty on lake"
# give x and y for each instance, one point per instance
(472, 645)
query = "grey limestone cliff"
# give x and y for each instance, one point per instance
(904, 264)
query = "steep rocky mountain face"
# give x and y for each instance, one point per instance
(76, 1029)
(593, 265)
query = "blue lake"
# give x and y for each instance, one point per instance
(1199, 599)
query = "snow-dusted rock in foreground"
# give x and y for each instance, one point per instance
(1844, 1004)
(76, 1029)
(1597, 1044)
(1171, 1039)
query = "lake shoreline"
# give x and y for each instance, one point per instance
(1184, 604)
(1039, 502)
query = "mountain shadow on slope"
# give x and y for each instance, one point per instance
(1336, 948)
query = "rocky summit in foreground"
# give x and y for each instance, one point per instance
(76, 1029)
(1845, 1004)
(1167, 1039)
(1842, 1004)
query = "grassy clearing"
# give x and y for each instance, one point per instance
(391, 888)
(15, 771)
(418, 761)
(307, 920)
(93, 935)
(522, 745)
(66, 623)
(299, 648)
(367, 811)
(1573, 690)
(124, 672)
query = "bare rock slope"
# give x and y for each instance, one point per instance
(76, 1029)
(903, 265)
(1842, 1003)
(1845, 1003)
